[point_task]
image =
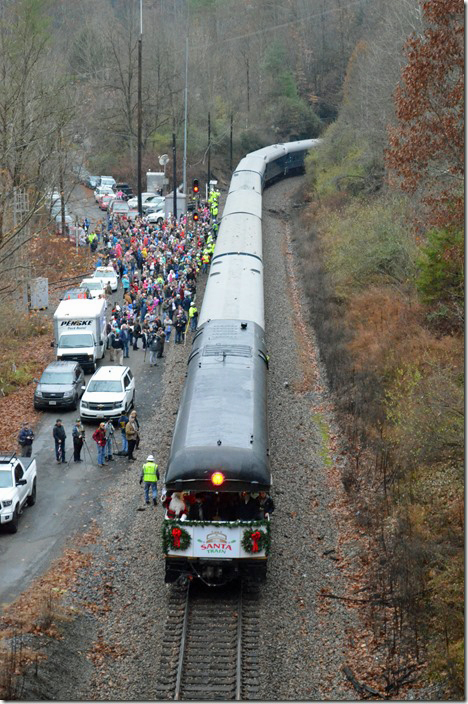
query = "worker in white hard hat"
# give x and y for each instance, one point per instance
(150, 476)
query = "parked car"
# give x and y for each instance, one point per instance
(78, 292)
(91, 181)
(102, 190)
(133, 202)
(104, 200)
(60, 386)
(158, 217)
(110, 392)
(125, 189)
(118, 207)
(107, 274)
(17, 488)
(95, 287)
(106, 181)
(153, 203)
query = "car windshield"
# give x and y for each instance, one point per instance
(105, 385)
(104, 275)
(6, 480)
(58, 378)
(71, 341)
(81, 293)
(94, 284)
(120, 206)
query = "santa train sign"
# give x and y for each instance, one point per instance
(226, 540)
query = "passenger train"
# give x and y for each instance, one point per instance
(219, 469)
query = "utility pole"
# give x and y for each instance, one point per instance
(174, 171)
(209, 155)
(184, 176)
(140, 114)
(61, 185)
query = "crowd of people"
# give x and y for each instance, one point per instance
(158, 267)
(222, 506)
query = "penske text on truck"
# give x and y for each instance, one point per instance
(80, 331)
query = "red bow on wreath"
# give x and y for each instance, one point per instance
(256, 535)
(176, 533)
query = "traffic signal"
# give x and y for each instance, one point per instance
(196, 216)
(195, 186)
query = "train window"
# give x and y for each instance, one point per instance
(256, 271)
(194, 353)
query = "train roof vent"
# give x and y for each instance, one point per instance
(225, 350)
(223, 330)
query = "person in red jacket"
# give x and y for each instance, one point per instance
(99, 437)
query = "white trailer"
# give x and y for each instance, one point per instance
(80, 331)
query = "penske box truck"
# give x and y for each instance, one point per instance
(80, 331)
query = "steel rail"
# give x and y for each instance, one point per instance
(183, 639)
(239, 648)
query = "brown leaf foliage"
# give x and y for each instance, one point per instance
(427, 146)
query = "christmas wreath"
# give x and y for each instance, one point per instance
(175, 538)
(255, 540)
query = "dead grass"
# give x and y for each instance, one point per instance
(38, 611)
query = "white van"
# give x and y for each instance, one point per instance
(110, 392)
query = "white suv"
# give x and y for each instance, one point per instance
(110, 392)
(95, 286)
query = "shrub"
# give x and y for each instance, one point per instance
(369, 245)
(441, 273)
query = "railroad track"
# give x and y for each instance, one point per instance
(210, 645)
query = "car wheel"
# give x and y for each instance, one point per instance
(31, 500)
(159, 221)
(12, 526)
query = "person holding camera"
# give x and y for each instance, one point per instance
(25, 439)
(78, 435)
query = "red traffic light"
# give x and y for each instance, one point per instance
(195, 186)
(196, 216)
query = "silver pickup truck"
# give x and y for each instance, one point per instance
(17, 488)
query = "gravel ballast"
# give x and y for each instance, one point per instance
(304, 637)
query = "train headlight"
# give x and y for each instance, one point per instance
(217, 478)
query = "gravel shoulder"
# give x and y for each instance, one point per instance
(111, 651)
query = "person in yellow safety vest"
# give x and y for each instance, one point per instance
(193, 316)
(214, 210)
(211, 248)
(93, 241)
(205, 261)
(150, 475)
